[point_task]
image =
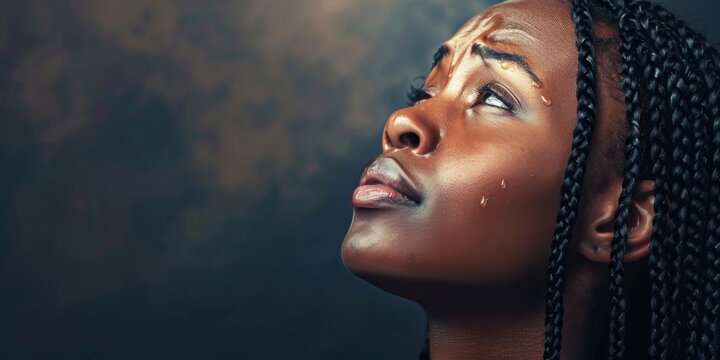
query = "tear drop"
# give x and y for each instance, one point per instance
(504, 64)
(503, 184)
(536, 85)
(484, 201)
(546, 100)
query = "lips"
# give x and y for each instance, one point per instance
(384, 184)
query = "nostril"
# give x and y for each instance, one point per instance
(410, 139)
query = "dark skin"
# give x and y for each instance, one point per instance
(487, 154)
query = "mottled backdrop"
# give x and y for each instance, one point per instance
(175, 175)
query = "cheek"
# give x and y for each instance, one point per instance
(499, 213)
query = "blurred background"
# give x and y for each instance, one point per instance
(175, 175)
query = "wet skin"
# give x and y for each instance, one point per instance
(487, 164)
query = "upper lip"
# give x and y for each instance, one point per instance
(387, 171)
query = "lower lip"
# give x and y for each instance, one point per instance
(379, 196)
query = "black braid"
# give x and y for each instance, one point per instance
(628, 29)
(697, 215)
(680, 182)
(574, 176)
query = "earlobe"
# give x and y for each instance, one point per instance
(598, 231)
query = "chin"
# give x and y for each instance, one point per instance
(389, 262)
(420, 285)
(368, 253)
(377, 257)
(382, 275)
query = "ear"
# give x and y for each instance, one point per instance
(598, 225)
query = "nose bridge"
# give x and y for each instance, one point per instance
(461, 47)
(462, 62)
(453, 78)
(412, 128)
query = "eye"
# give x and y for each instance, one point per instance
(494, 100)
(497, 96)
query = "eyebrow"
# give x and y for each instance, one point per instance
(488, 53)
(439, 55)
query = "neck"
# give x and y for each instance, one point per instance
(509, 329)
(485, 335)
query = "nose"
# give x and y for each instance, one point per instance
(411, 128)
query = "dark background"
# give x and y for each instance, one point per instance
(175, 175)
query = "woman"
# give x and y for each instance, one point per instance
(582, 132)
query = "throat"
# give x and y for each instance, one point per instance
(490, 334)
(507, 328)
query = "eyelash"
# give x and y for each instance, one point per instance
(417, 94)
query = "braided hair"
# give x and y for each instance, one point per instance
(670, 86)
(672, 139)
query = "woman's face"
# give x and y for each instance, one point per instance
(482, 159)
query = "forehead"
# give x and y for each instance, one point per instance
(541, 30)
